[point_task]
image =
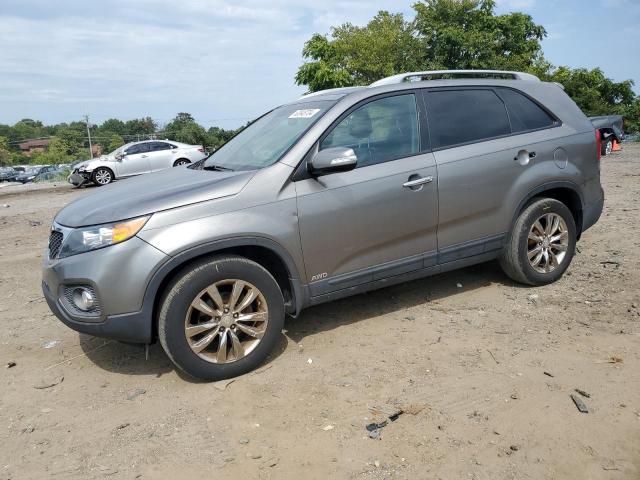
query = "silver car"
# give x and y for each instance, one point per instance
(135, 158)
(332, 195)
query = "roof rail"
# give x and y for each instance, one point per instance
(427, 75)
(338, 90)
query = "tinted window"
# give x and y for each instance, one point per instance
(157, 146)
(379, 131)
(461, 116)
(524, 113)
(139, 148)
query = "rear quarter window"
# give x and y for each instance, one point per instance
(464, 116)
(524, 113)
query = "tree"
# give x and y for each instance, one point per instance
(466, 34)
(141, 126)
(455, 34)
(359, 55)
(183, 128)
(5, 153)
(445, 34)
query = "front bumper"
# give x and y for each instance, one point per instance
(78, 179)
(119, 275)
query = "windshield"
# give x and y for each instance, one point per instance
(264, 141)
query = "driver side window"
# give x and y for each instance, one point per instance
(380, 131)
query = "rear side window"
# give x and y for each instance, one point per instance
(463, 116)
(524, 113)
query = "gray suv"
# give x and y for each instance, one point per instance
(335, 194)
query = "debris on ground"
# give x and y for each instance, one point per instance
(48, 383)
(328, 427)
(223, 384)
(122, 426)
(413, 408)
(10, 364)
(136, 393)
(580, 405)
(583, 393)
(35, 223)
(392, 412)
(549, 374)
(50, 343)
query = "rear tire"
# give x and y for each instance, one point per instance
(541, 244)
(607, 147)
(102, 176)
(221, 317)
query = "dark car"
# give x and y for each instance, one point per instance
(36, 173)
(611, 128)
(7, 174)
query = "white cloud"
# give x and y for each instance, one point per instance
(215, 58)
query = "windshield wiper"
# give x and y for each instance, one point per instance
(218, 168)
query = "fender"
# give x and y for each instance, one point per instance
(160, 274)
(547, 186)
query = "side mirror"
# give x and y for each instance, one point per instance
(336, 159)
(119, 157)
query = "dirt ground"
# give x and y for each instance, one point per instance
(465, 353)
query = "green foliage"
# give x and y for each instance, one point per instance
(445, 34)
(454, 34)
(5, 153)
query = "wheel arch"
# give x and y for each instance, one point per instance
(175, 163)
(104, 167)
(566, 192)
(267, 253)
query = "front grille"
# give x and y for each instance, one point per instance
(55, 242)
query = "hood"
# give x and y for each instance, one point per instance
(170, 188)
(91, 164)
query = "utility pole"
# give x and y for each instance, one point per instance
(86, 118)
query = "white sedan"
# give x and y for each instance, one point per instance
(135, 158)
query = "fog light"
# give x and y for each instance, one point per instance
(83, 299)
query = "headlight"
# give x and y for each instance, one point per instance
(84, 239)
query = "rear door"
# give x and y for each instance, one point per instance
(485, 159)
(160, 156)
(135, 160)
(367, 224)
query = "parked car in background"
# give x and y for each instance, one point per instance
(611, 127)
(335, 194)
(135, 158)
(34, 174)
(7, 174)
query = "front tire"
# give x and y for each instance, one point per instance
(221, 317)
(180, 162)
(102, 176)
(542, 243)
(607, 147)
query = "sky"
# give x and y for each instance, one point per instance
(227, 61)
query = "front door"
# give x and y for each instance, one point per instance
(135, 160)
(380, 219)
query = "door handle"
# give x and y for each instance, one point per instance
(417, 182)
(524, 156)
(144, 156)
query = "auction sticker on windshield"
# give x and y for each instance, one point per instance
(308, 113)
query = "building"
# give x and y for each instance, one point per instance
(34, 145)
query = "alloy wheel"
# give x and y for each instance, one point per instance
(103, 177)
(547, 243)
(226, 321)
